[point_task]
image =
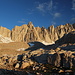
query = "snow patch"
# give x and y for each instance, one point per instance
(5, 39)
(31, 44)
(21, 49)
(46, 43)
(39, 43)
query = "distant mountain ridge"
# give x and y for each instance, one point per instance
(29, 33)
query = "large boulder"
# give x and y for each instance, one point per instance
(55, 59)
(41, 58)
(65, 60)
(26, 64)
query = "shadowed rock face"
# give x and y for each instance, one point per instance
(67, 38)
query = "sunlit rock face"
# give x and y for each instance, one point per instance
(29, 33)
(5, 32)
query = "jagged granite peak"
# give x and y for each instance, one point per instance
(63, 29)
(51, 29)
(30, 25)
(51, 32)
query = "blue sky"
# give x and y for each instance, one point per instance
(40, 12)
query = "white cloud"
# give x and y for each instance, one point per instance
(50, 5)
(73, 20)
(47, 6)
(22, 21)
(41, 7)
(53, 23)
(73, 5)
(30, 11)
(56, 15)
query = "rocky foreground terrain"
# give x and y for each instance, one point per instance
(29, 50)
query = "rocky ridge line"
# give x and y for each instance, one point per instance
(28, 33)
